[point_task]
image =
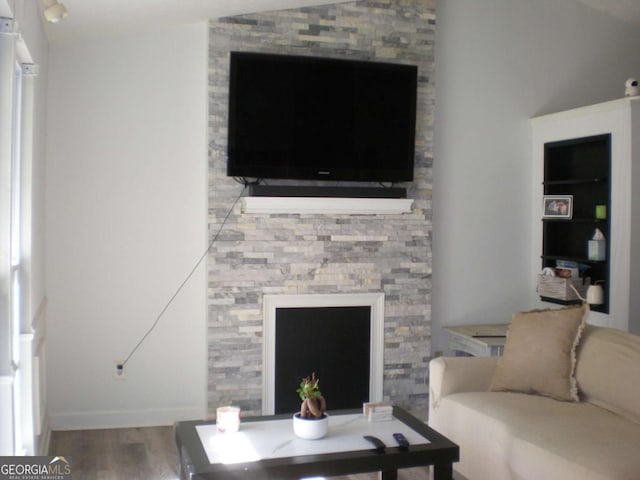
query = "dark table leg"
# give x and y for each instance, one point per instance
(182, 470)
(388, 475)
(443, 471)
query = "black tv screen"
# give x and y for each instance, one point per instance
(294, 117)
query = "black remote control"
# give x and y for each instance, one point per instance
(402, 441)
(376, 442)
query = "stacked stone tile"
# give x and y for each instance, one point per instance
(311, 254)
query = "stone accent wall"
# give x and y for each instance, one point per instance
(288, 254)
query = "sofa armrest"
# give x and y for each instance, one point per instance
(449, 375)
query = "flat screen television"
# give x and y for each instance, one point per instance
(309, 118)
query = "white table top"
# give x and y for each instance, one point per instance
(275, 439)
(491, 334)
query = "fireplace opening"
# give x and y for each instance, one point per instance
(340, 337)
(333, 342)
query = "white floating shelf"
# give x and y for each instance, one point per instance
(327, 205)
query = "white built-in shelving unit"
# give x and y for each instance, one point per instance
(621, 120)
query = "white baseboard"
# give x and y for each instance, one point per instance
(123, 419)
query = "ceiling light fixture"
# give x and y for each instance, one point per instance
(54, 11)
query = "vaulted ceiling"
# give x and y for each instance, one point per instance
(96, 17)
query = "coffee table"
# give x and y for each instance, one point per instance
(266, 448)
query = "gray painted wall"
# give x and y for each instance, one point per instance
(499, 63)
(126, 220)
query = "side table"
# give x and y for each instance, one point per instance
(478, 340)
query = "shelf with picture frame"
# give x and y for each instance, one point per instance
(576, 191)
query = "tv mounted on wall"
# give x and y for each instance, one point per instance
(309, 118)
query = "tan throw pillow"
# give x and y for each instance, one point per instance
(540, 353)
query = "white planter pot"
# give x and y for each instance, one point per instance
(310, 429)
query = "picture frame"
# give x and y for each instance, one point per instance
(557, 206)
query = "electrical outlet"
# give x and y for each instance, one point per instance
(119, 371)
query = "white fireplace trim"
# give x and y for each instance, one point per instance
(272, 302)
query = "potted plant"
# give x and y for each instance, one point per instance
(312, 420)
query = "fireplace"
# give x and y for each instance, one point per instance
(339, 336)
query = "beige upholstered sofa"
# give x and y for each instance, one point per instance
(514, 435)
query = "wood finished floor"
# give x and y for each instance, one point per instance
(142, 454)
(119, 454)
